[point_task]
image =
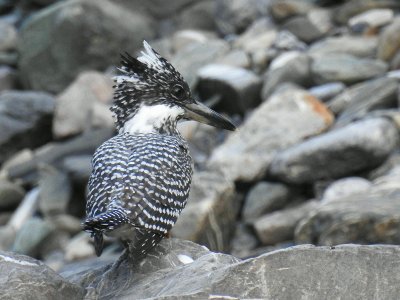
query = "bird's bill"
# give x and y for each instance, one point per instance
(201, 113)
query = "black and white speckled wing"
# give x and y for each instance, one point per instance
(143, 179)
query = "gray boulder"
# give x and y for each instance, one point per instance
(11, 194)
(345, 187)
(355, 147)
(327, 91)
(371, 20)
(358, 100)
(389, 41)
(183, 270)
(22, 277)
(8, 36)
(286, 118)
(263, 198)
(25, 119)
(238, 88)
(359, 46)
(93, 31)
(84, 105)
(345, 67)
(369, 216)
(282, 10)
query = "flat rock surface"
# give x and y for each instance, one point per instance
(183, 270)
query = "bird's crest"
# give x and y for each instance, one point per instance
(146, 78)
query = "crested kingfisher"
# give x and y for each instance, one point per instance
(141, 178)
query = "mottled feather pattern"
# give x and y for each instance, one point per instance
(145, 177)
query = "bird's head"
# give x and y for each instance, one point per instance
(152, 96)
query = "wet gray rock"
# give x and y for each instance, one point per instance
(359, 46)
(344, 67)
(279, 226)
(55, 191)
(345, 187)
(234, 16)
(286, 118)
(389, 41)
(190, 59)
(282, 10)
(358, 100)
(11, 194)
(25, 119)
(310, 27)
(211, 212)
(30, 238)
(327, 91)
(238, 88)
(23, 277)
(84, 105)
(352, 148)
(366, 217)
(263, 198)
(291, 66)
(179, 269)
(96, 28)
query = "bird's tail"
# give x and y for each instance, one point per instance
(104, 222)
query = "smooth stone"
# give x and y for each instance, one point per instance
(11, 194)
(345, 187)
(389, 41)
(360, 146)
(327, 91)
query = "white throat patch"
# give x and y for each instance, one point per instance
(149, 119)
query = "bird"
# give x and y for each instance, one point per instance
(141, 177)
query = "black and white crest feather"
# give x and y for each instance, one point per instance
(146, 79)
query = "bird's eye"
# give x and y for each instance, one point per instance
(178, 91)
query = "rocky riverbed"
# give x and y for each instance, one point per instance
(313, 86)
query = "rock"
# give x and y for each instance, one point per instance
(344, 67)
(279, 226)
(286, 118)
(236, 58)
(263, 198)
(4, 218)
(30, 238)
(345, 187)
(282, 10)
(79, 247)
(358, 100)
(243, 241)
(97, 29)
(239, 88)
(8, 36)
(11, 194)
(25, 117)
(258, 37)
(389, 41)
(371, 19)
(290, 66)
(83, 104)
(287, 41)
(55, 191)
(159, 9)
(23, 277)
(66, 223)
(359, 46)
(234, 16)
(7, 78)
(360, 146)
(343, 13)
(370, 216)
(54, 153)
(347, 269)
(311, 27)
(199, 15)
(211, 212)
(327, 91)
(78, 167)
(183, 38)
(388, 166)
(190, 59)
